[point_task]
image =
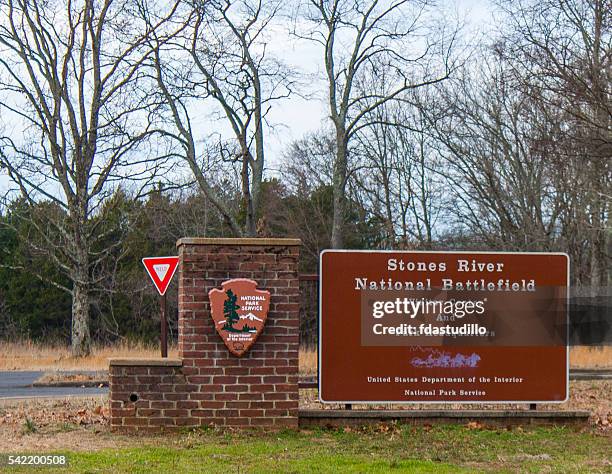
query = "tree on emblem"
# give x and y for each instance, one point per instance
(230, 311)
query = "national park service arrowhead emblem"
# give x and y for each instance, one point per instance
(239, 311)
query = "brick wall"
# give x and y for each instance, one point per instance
(209, 385)
(146, 395)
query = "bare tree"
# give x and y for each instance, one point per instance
(364, 39)
(561, 53)
(308, 173)
(495, 168)
(398, 174)
(219, 58)
(69, 82)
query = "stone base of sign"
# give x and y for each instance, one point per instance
(341, 418)
(207, 385)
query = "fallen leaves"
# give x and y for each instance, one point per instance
(474, 425)
(60, 412)
(594, 396)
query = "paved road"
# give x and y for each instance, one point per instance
(19, 385)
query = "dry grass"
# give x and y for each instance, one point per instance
(57, 377)
(27, 355)
(587, 357)
(71, 423)
(308, 360)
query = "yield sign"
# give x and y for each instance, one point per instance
(161, 270)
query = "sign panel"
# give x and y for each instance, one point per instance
(161, 270)
(239, 311)
(443, 327)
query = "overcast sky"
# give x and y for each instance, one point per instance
(296, 116)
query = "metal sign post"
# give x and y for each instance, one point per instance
(161, 270)
(164, 326)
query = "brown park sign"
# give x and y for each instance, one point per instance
(443, 326)
(239, 311)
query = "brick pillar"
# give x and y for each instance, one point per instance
(261, 387)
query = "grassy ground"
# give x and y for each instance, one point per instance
(32, 356)
(79, 428)
(380, 449)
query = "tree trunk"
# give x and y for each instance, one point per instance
(339, 185)
(81, 342)
(249, 225)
